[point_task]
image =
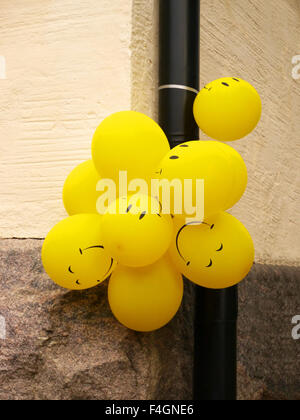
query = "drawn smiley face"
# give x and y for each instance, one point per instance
(73, 254)
(215, 254)
(135, 232)
(195, 161)
(203, 224)
(227, 109)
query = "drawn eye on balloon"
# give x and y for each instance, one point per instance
(181, 230)
(81, 253)
(143, 213)
(173, 157)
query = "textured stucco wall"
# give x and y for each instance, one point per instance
(68, 67)
(254, 40)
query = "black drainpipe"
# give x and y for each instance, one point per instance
(215, 311)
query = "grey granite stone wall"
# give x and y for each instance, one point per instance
(67, 345)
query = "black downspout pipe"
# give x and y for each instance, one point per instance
(215, 368)
(215, 311)
(179, 68)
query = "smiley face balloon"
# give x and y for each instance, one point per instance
(227, 109)
(73, 254)
(146, 298)
(211, 162)
(216, 254)
(134, 231)
(79, 193)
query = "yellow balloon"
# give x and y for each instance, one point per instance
(240, 175)
(79, 193)
(217, 254)
(145, 299)
(227, 109)
(134, 231)
(128, 141)
(215, 163)
(73, 254)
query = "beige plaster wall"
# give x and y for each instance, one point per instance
(71, 63)
(255, 40)
(67, 67)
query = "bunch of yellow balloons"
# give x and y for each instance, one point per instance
(142, 245)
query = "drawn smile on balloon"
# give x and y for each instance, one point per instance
(81, 252)
(177, 241)
(210, 263)
(91, 247)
